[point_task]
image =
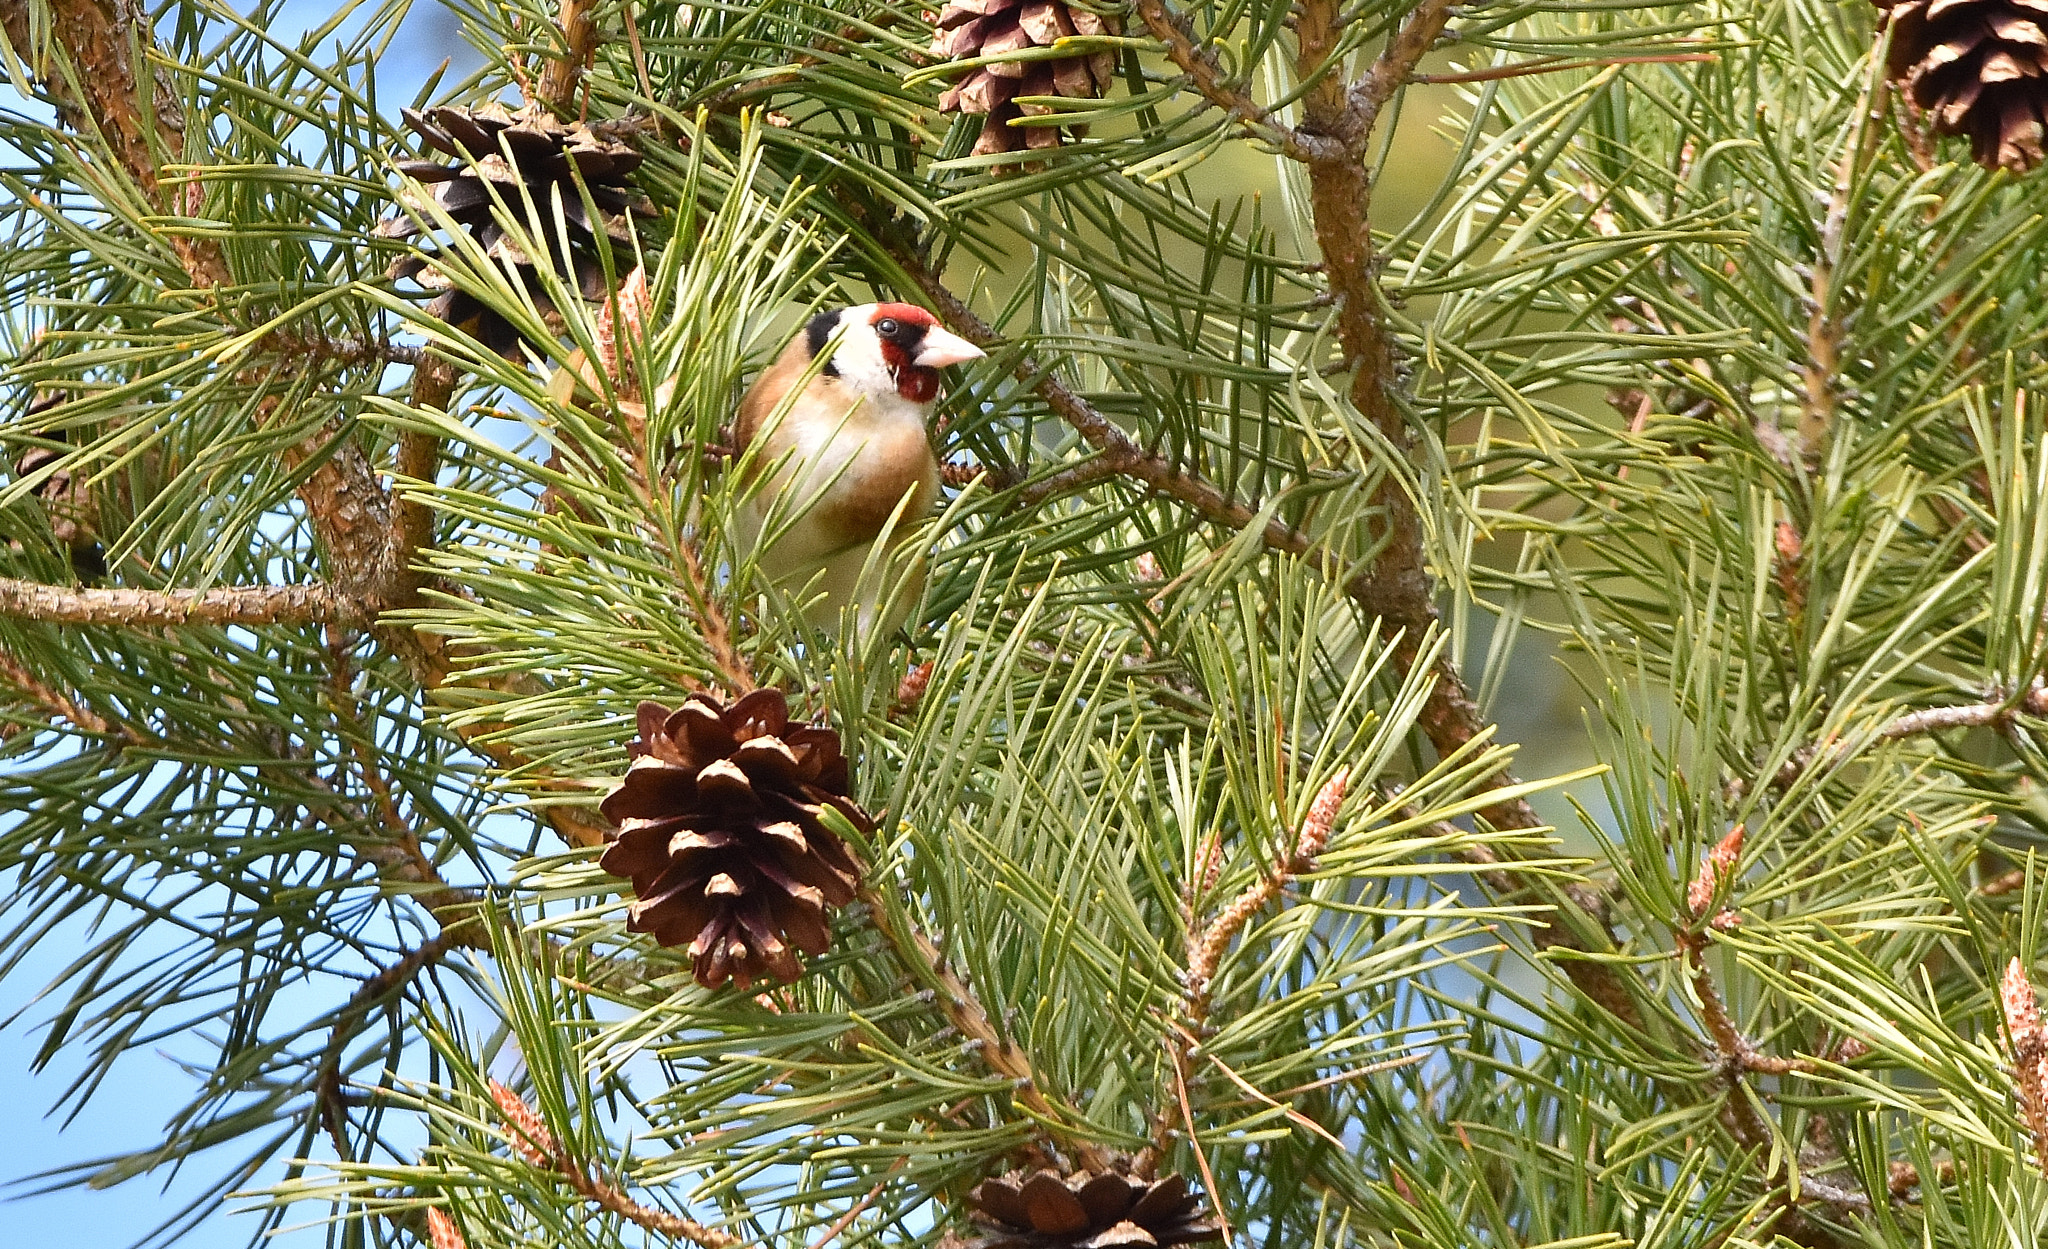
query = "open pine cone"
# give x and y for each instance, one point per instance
(981, 28)
(495, 148)
(1087, 1210)
(1978, 67)
(719, 830)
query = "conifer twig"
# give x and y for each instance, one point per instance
(327, 1090)
(533, 1142)
(970, 1018)
(1205, 74)
(250, 605)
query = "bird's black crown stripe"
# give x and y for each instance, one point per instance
(819, 332)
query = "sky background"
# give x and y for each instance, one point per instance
(1540, 707)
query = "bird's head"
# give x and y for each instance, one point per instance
(889, 349)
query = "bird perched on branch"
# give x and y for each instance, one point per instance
(844, 445)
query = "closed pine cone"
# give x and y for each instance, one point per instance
(1978, 68)
(494, 148)
(979, 28)
(1086, 1210)
(720, 831)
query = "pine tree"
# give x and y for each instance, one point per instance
(366, 490)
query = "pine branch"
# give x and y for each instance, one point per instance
(1205, 74)
(1998, 711)
(314, 603)
(135, 112)
(530, 1136)
(563, 74)
(967, 1015)
(327, 1087)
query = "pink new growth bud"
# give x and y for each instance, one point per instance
(2022, 1011)
(1148, 567)
(1322, 816)
(617, 332)
(529, 1135)
(2029, 1054)
(443, 1231)
(1209, 862)
(1717, 867)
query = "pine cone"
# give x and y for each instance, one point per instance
(531, 149)
(1977, 67)
(978, 28)
(1087, 1210)
(719, 830)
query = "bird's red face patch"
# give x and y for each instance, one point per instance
(901, 327)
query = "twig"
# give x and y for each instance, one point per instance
(845, 1221)
(54, 703)
(564, 74)
(533, 1141)
(1996, 712)
(312, 603)
(1206, 944)
(327, 1089)
(1556, 65)
(967, 1015)
(1205, 73)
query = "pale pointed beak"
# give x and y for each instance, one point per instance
(942, 348)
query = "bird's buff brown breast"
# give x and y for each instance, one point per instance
(893, 464)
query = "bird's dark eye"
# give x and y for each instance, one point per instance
(887, 327)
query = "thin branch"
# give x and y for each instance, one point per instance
(1996, 712)
(1205, 74)
(533, 1141)
(327, 1090)
(1360, 107)
(564, 73)
(313, 603)
(1118, 455)
(967, 1015)
(54, 703)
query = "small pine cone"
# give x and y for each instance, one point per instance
(719, 830)
(985, 28)
(1087, 1210)
(530, 149)
(1977, 68)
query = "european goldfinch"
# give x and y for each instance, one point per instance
(844, 455)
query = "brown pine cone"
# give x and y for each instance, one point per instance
(1087, 1210)
(494, 148)
(1977, 68)
(982, 28)
(719, 830)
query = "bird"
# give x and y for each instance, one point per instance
(829, 465)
